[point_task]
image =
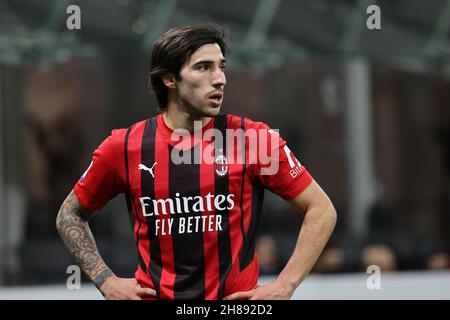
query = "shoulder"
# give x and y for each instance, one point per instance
(235, 122)
(117, 138)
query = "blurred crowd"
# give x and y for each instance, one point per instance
(386, 245)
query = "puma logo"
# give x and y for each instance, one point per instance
(143, 167)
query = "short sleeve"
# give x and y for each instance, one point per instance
(278, 169)
(103, 180)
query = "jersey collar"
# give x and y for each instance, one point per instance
(167, 132)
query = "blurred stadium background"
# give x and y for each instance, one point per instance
(366, 111)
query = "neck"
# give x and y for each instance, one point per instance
(176, 118)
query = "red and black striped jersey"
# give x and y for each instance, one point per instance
(194, 200)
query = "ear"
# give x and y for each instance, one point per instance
(169, 80)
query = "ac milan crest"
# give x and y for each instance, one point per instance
(221, 164)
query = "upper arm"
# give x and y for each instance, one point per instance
(312, 196)
(105, 176)
(278, 169)
(72, 205)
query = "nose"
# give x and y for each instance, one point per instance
(218, 78)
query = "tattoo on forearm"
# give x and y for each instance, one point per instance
(74, 230)
(105, 274)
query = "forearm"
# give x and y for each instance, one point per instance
(317, 227)
(74, 230)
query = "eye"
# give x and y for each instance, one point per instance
(222, 67)
(203, 67)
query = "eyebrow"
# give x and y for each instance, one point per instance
(209, 62)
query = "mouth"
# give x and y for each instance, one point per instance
(216, 99)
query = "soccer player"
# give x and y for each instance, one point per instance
(194, 181)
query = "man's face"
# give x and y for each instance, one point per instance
(200, 89)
